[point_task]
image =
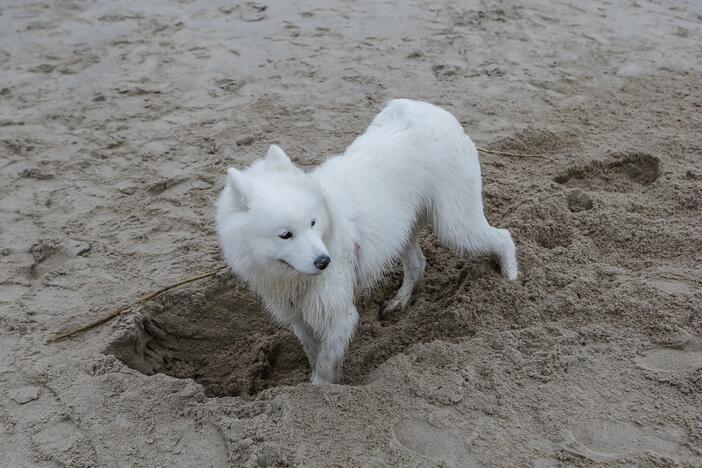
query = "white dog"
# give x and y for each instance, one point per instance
(306, 242)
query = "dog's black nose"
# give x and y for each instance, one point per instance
(322, 262)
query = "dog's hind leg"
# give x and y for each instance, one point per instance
(333, 344)
(462, 227)
(503, 247)
(498, 242)
(305, 334)
(413, 264)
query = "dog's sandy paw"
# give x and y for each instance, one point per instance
(510, 274)
(507, 268)
(388, 307)
(316, 379)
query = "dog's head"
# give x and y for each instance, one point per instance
(272, 217)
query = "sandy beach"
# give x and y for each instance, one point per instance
(118, 120)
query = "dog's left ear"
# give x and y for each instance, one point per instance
(276, 159)
(237, 185)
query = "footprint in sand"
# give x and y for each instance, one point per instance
(669, 286)
(671, 359)
(623, 172)
(432, 442)
(49, 255)
(55, 436)
(601, 439)
(58, 438)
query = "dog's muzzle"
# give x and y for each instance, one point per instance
(322, 262)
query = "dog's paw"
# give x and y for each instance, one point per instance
(510, 274)
(507, 268)
(391, 306)
(317, 380)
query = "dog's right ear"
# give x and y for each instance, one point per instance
(277, 160)
(236, 182)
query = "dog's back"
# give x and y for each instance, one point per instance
(413, 164)
(418, 114)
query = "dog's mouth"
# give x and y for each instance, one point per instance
(292, 268)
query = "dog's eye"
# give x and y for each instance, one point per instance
(314, 221)
(286, 235)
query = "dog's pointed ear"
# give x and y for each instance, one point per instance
(237, 185)
(276, 159)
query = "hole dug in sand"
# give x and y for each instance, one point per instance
(218, 336)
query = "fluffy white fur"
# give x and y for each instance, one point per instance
(413, 166)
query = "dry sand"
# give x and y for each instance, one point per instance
(119, 118)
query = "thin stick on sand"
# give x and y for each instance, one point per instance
(121, 310)
(511, 155)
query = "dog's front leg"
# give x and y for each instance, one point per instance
(309, 341)
(334, 341)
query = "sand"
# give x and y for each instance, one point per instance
(119, 118)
